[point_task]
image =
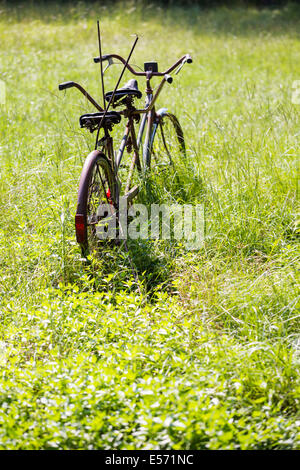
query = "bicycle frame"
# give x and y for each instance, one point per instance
(149, 119)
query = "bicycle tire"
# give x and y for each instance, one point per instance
(166, 142)
(97, 186)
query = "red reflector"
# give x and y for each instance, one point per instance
(80, 228)
(108, 194)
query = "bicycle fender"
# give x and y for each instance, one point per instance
(162, 112)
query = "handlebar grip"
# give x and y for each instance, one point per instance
(189, 59)
(168, 78)
(104, 57)
(65, 85)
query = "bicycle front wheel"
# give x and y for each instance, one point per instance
(96, 213)
(166, 144)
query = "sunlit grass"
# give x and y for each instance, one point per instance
(204, 352)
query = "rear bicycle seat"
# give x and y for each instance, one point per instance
(91, 120)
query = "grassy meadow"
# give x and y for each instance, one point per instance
(202, 352)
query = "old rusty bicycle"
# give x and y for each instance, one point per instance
(150, 135)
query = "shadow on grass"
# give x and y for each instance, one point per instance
(146, 263)
(141, 266)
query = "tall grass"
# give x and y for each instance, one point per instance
(207, 354)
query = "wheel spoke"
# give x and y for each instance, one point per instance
(100, 190)
(164, 142)
(168, 142)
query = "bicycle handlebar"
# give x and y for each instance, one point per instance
(167, 78)
(186, 58)
(65, 85)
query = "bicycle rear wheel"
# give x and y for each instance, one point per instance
(166, 144)
(96, 213)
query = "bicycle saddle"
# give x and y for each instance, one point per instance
(92, 120)
(129, 89)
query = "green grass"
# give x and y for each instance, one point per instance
(206, 354)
